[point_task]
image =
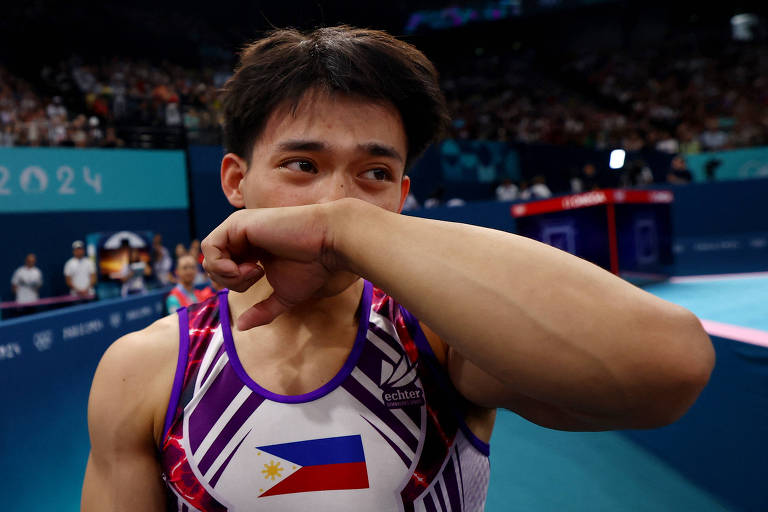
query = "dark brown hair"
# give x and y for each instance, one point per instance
(371, 64)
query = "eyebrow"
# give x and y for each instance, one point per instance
(372, 148)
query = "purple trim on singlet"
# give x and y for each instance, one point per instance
(349, 365)
(181, 365)
(423, 344)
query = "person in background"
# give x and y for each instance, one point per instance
(506, 191)
(411, 203)
(27, 280)
(178, 251)
(201, 278)
(537, 190)
(587, 180)
(133, 273)
(713, 138)
(436, 198)
(80, 271)
(161, 261)
(194, 250)
(185, 293)
(679, 174)
(636, 174)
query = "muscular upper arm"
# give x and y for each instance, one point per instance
(486, 390)
(487, 393)
(126, 408)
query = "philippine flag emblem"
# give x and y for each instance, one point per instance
(332, 463)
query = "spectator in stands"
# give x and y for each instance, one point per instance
(26, 281)
(435, 199)
(194, 250)
(133, 273)
(185, 293)
(411, 204)
(537, 190)
(80, 272)
(111, 140)
(636, 173)
(679, 173)
(713, 138)
(588, 179)
(689, 145)
(179, 251)
(161, 261)
(507, 190)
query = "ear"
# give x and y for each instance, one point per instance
(405, 187)
(233, 171)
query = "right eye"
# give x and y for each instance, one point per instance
(300, 166)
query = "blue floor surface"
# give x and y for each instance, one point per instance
(738, 301)
(543, 470)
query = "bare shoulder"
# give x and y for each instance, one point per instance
(157, 340)
(133, 381)
(128, 398)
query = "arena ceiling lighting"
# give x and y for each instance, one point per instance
(617, 159)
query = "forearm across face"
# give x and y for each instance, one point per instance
(547, 324)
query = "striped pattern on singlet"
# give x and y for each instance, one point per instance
(386, 433)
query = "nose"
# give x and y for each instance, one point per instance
(337, 186)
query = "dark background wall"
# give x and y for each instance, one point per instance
(209, 206)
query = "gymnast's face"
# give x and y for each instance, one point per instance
(331, 148)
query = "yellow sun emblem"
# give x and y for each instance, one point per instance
(272, 470)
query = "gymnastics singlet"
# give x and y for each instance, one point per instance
(385, 434)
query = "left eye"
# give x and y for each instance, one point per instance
(377, 175)
(301, 165)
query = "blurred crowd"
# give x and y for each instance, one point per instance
(682, 97)
(79, 104)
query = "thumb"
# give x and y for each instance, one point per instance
(262, 313)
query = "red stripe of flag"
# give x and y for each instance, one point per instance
(323, 477)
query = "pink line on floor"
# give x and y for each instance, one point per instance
(716, 277)
(736, 332)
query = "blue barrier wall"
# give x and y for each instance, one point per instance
(47, 362)
(721, 227)
(721, 443)
(50, 197)
(717, 227)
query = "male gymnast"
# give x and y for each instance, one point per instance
(359, 356)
